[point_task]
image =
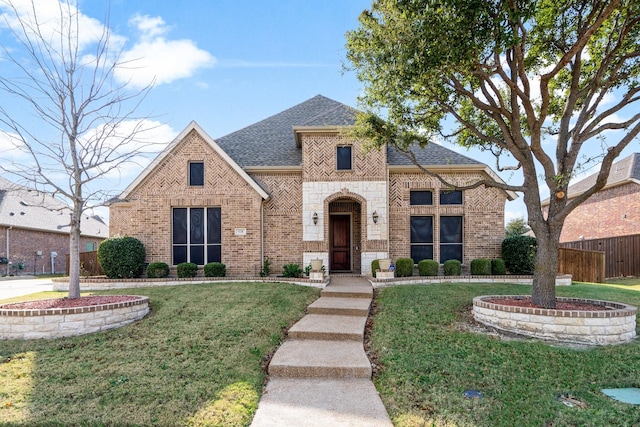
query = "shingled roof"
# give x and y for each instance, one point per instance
(271, 142)
(622, 172)
(23, 207)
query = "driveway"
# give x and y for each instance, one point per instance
(13, 287)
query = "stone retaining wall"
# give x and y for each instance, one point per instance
(381, 282)
(66, 322)
(614, 326)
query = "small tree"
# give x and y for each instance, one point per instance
(86, 128)
(516, 227)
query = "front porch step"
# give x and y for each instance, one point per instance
(340, 306)
(320, 359)
(348, 291)
(329, 327)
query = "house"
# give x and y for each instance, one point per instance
(294, 187)
(34, 231)
(612, 211)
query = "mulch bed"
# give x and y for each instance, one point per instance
(69, 303)
(560, 305)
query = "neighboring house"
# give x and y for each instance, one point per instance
(294, 187)
(34, 230)
(613, 211)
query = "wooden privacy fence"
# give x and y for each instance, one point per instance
(622, 253)
(584, 266)
(89, 265)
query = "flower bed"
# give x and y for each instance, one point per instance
(18, 322)
(616, 324)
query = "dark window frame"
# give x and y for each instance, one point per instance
(450, 243)
(451, 197)
(340, 166)
(196, 235)
(414, 197)
(417, 244)
(197, 180)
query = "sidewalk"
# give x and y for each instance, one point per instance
(321, 375)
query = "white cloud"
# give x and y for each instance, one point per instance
(155, 59)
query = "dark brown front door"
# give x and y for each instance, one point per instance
(340, 243)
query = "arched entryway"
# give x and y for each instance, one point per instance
(345, 235)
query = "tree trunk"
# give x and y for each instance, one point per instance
(543, 292)
(74, 256)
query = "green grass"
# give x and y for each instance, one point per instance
(429, 358)
(194, 360)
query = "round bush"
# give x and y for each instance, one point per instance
(404, 267)
(186, 269)
(452, 267)
(156, 270)
(122, 257)
(480, 267)
(375, 265)
(519, 254)
(428, 267)
(497, 267)
(292, 270)
(215, 269)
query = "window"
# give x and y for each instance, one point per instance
(421, 238)
(90, 247)
(450, 197)
(343, 158)
(197, 235)
(450, 238)
(420, 197)
(196, 173)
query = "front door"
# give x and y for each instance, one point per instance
(340, 239)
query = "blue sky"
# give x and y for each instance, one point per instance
(229, 63)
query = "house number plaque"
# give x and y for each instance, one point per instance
(241, 232)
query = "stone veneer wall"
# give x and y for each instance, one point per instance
(482, 210)
(147, 213)
(67, 322)
(608, 213)
(615, 326)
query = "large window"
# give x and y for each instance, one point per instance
(196, 174)
(450, 238)
(420, 197)
(450, 197)
(343, 158)
(421, 238)
(197, 235)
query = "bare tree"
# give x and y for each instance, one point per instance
(81, 127)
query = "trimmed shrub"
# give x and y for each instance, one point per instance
(497, 267)
(122, 257)
(156, 270)
(215, 269)
(428, 267)
(265, 271)
(480, 267)
(519, 254)
(404, 267)
(375, 265)
(292, 270)
(186, 269)
(452, 267)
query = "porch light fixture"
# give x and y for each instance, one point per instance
(375, 217)
(315, 218)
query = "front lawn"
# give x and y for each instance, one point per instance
(194, 360)
(429, 357)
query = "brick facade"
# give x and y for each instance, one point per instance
(24, 243)
(609, 213)
(282, 227)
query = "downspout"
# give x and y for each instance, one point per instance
(261, 233)
(7, 241)
(388, 213)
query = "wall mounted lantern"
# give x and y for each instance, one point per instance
(315, 218)
(375, 217)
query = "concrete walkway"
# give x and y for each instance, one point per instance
(321, 375)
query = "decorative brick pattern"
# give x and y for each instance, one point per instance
(67, 322)
(482, 211)
(614, 326)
